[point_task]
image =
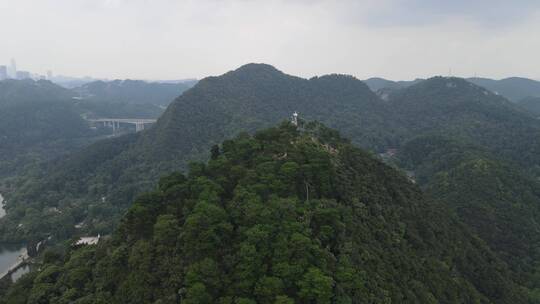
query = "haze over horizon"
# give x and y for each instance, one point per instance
(165, 39)
(263, 184)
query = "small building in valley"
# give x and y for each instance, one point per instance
(88, 240)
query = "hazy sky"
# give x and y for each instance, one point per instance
(171, 39)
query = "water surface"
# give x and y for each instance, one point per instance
(9, 255)
(2, 210)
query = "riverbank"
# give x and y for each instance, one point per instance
(2, 210)
(20, 262)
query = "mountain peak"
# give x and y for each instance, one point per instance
(447, 80)
(248, 73)
(259, 68)
(450, 85)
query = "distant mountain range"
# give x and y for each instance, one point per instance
(376, 83)
(41, 120)
(471, 150)
(513, 88)
(127, 98)
(38, 121)
(257, 96)
(531, 104)
(131, 91)
(69, 82)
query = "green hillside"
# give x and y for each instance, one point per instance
(127, 98)
(531, 105)
(97, 184)
(457, 108)
(37, 121)
(253, 97)
(495, 198)
(513, 88)
(284, 216)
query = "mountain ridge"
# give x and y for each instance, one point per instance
(247, 228)
(245, 100)
(513, 88)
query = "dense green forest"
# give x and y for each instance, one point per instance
(498, 200)
(37, 122)
(285, 216)
(97, 184)
(133, 91)
(514, 89)
(41, 121)
(36, 112)
(475, 155)
(460, 109)
(127, 98)
(380, 84)
(531, 104)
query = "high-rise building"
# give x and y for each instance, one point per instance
(3, 72)
(13, 69)
(22, 75)
(49, 75)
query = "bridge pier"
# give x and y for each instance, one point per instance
(139, 126)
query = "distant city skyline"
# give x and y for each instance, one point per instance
(49, 75)
(3, 72)
(12, 72)
(12, 68)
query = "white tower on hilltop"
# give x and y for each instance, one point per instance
(294, 120)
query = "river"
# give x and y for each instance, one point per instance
(2, 210)
(9, 254)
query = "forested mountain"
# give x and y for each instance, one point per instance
(377, 84)
(96, 185)
(531, 105)
(132, 91)
(490, 185)
(457, 108)
(285, 216)
(256, 96)
(127, 98)
(40, 120)
(494, 197)
(37, 121)
(513, 88)
(13, 92)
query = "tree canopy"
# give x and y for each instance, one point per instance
(285, 216)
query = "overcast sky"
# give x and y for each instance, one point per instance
(172, 39)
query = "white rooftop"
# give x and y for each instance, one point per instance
(88, 240)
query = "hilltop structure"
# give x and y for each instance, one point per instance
(294, 119)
